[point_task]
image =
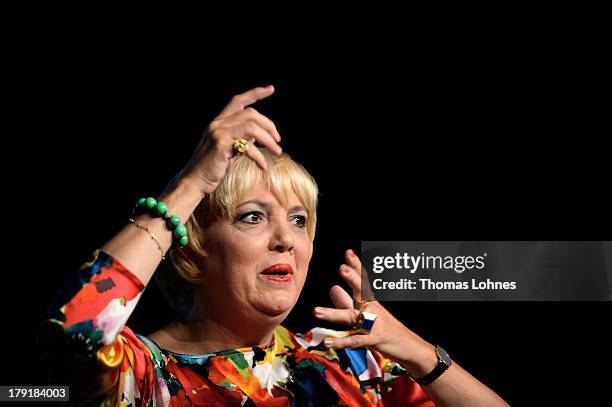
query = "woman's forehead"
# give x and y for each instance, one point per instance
(262, 193)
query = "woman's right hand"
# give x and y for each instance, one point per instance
(215, 153)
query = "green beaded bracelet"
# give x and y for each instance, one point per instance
(156, 209)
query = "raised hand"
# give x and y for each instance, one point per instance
(388, 335)
(215, 153)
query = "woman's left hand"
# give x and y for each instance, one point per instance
(388, 335)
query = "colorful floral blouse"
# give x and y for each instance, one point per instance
(116, 367)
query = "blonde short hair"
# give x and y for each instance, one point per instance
(284, 176)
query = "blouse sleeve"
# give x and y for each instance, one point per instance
(397, 388)
(86, 342)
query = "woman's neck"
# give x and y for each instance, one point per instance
(209, 335)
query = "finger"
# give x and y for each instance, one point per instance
(254, 154)
(350, 342)
(340, 297)
(354, 263)
(353, 279)
(250, 114)
(352, 260)
(262, 121)
(251, 129)
(239, 102)
(339, 316)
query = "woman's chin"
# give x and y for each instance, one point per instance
(278, 306)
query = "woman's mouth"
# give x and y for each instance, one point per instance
(278, 272)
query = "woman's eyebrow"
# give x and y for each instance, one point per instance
(262, 204)
(297, 208)
(266, 206)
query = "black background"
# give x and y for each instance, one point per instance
(480, 138)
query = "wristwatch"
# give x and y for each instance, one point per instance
(444, 361)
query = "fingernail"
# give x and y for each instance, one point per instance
(318, 310)
(328, 342)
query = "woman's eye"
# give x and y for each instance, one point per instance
(251, 217)
(299, 220)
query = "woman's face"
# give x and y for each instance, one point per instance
(238, 277)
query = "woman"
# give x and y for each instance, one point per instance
(247, 246)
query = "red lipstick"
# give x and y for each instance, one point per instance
(278, 272)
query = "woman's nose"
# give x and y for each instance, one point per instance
(282, 239)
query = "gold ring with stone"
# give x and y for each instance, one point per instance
(241, 145)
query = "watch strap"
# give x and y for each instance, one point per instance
(436, 372)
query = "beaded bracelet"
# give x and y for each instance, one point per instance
(156, 209)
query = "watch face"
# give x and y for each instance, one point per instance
(443, 355)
